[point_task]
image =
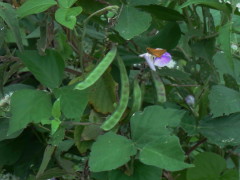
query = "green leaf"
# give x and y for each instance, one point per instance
(221, 130)
(73, 102)
(210, 3)
(56, 110)
(66, 3)
(110, 151)
(204, 48)
(223, 101)
(230, 174)
(154, 121)
(10, 151)
(140, 172)
(52, 173)
(62, 47)
(46, 158)
(177, 75)
(167, 37)
(67, 17)
(132, 22)
(101, 101)
(143, 2)
(4, 125)
(55, 123)
(223, 67)
(8, 14)
(230, 82)
(162, 13)
(34, 7)
(225, 41)
(28, 106)
(48, 69)
(208, 166)
(165, 153)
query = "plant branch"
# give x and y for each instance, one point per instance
(196, 145)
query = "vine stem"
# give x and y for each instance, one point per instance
(196, 145)
(85, 22)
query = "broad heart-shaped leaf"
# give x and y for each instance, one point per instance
(4, 125)
(208, 166)
(102, 95)
(140, 172)
(223, 101)
(225, 41)
(34, 7)
(132, 22)
(47, 69)
(168, 37)
(153, 121)
(28, 106)
(165, 153)
(110, 151)
(162, 13)
(8, 14)
(66, 3)
(221, 130)
(67, 17)
(72, 102)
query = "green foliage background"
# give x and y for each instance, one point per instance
(77, 101)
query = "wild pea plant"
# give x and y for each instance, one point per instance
(119, 90)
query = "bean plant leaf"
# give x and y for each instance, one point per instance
(154, 121)
(225, 41)
(132, 22)
(47, 69)
(28, 106)
(4, 126)
(10, 151)
(223, 67)
(221, 130)
(211, 3)
(223, 101)
(52, 173)
(141, 172)
(8, 14)
(46, 158)
(167, 37)
(101, 101)
(34, 7)
(72, 102)
(162, 13)
(67, 16)
(143, 2)
(110, 151)
(211, 164)
(165, 153)
(66, 3)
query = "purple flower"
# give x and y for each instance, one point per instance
(164, 60)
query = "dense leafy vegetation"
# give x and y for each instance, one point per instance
(119, 89)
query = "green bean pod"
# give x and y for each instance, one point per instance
(117, 114)
(98, 71)
(159, 86)
(137, 97)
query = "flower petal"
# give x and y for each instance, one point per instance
(163, 60)
(150, 60)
